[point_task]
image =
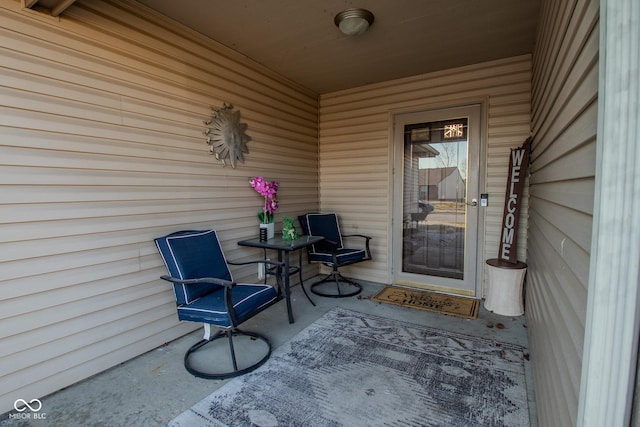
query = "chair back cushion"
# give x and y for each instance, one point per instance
(326, 225)
(193, 255)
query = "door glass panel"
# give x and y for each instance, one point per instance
(434, 198)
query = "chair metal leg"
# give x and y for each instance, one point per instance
(302, 281)
(338, 279)
(225, 373)
(233, 351)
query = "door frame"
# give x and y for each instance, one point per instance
(483, 101)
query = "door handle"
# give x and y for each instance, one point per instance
(474, 202)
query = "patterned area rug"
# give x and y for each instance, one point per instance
(354, 369)
(430, 301)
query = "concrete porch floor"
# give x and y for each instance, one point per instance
(153, 388)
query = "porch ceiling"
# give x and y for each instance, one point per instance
(54, 7)
(298, 39)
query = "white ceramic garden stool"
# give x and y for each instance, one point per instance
(504, 288)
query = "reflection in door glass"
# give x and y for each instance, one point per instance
(434, 196)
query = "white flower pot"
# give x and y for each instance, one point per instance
(271, 230)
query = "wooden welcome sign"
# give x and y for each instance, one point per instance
(518, 168)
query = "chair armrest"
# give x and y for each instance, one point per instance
(357, 235)
(207, 280)
(367, 238)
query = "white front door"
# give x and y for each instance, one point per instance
(435, 214)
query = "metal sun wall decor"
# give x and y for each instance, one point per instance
(226, 135)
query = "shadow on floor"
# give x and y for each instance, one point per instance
(153, 388)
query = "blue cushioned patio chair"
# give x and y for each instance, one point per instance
(332, 252)
(205, 292)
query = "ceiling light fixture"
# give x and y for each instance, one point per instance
(353, 22)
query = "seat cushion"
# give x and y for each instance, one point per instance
(246, 298)
(344, 256)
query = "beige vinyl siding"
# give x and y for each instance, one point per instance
(356, 145)
(564, 117)
(101, 150)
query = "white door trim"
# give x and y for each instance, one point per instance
(612, 325)
(476, 163)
